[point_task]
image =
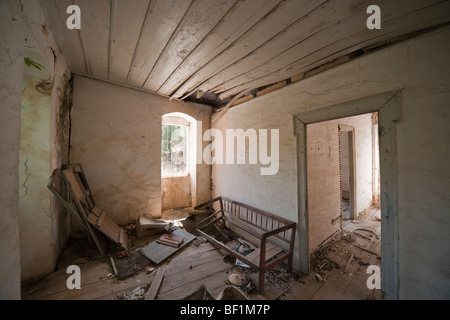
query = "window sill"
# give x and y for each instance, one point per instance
(178, 176)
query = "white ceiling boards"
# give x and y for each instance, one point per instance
(223, 47)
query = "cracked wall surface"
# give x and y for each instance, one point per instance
(34, 171)
(11, 64)
(22, 25)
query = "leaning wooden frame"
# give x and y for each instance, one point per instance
(275, 235)
(80, 204)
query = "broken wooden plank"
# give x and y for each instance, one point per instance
(69, 178)
(100, 219)
(157, 252)
(348, 263)
(113, 265)
(213, 279)
(156, 284)
(123, 238)
(97, 211)
(61, 199)
(74, 185)
(84, 183)
(108, 227)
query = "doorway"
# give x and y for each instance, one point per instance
(387, 107)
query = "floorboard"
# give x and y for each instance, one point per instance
(203, 264)
(187, 273)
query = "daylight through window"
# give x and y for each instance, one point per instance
(174, 150)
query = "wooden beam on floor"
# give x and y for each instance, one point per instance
(156, 283)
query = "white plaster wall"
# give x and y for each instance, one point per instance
(44, 230)
(34, 171)
(42, 40)
(11, 64)
(116, 136)
(243, 182)
(421, 68)
(363, 143)
(21, 24)
(323, 181)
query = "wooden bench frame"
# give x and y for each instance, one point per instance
(264, 226)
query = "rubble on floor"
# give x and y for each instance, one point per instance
(346, 253)
(136, 294)
(199, 240)
(130, 263)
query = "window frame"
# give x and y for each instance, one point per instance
(186, 153)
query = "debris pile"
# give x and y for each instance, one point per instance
(278, 279)
(239, 278)
(199, 240)
(129, 263)
(136, 294)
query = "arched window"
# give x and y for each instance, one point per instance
(178, 161)
(174, 147)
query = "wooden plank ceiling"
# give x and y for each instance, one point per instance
(212, 50)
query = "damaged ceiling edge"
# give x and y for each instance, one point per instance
(219, 105)
(249, 94)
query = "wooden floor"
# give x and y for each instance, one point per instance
(192, 268)
(185, 271)
(202, 264)
(338, 284)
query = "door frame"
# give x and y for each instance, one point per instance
(388, 107)
(353, 196)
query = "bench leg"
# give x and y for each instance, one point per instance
(289, 267)
(261, 281)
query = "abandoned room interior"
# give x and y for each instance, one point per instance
(225, 150)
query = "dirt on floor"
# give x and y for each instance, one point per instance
(338, 266)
